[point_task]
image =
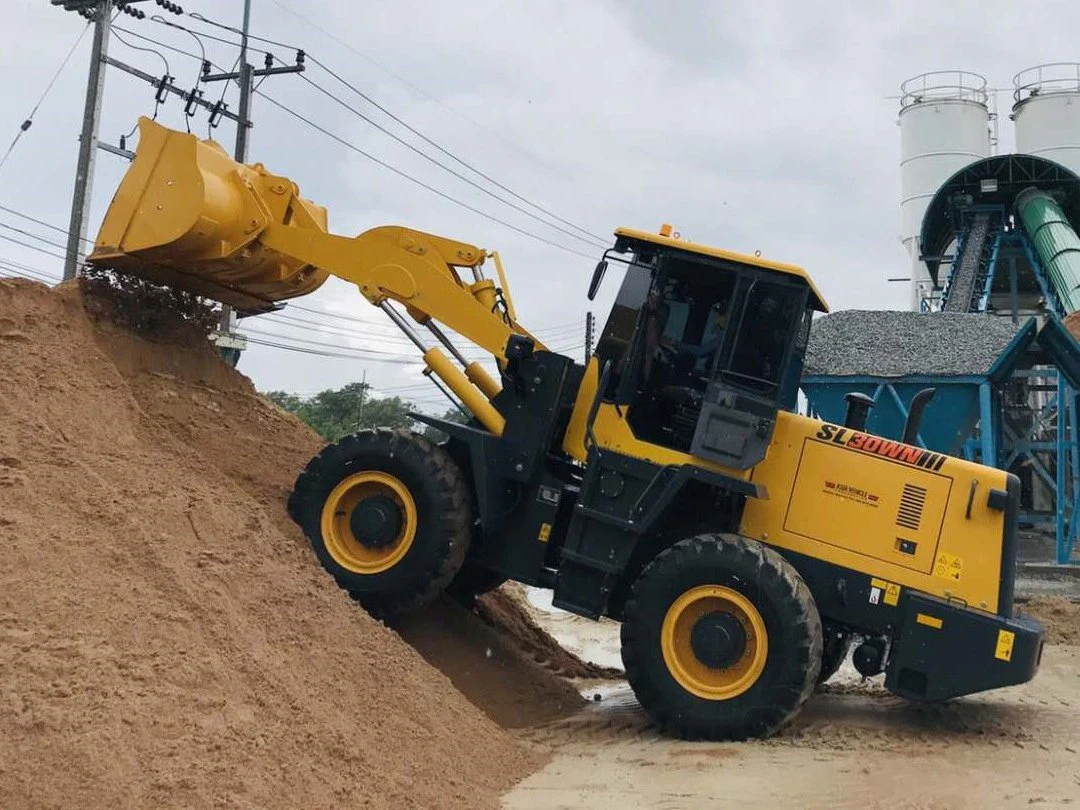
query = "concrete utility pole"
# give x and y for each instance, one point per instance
(245, 77)
(228, 317)
(88, 140)
(590, 325)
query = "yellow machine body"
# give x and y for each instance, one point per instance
(913, 518)
(897, 512)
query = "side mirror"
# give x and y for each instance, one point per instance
(597, 277)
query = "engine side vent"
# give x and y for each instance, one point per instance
(912, 502)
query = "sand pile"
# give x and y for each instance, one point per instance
(1059, 615)
(166, 640)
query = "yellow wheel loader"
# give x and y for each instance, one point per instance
(669, 483)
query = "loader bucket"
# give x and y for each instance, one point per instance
(188, 216)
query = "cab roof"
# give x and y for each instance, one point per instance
(632, 234)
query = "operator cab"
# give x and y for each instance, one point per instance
(704, 345)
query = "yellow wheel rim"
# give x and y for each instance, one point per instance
(693, 674)
(337, 532)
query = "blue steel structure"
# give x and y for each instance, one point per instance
(1022, 415)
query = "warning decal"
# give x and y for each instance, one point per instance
(883, 591)
(1005, 639)
(948, 566)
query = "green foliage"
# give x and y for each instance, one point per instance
(451, 415)
(334, 413)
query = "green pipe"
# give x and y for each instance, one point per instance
(1055, 243)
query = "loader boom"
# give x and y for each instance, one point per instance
(188, 216)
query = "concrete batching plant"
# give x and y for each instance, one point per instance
(988, 237)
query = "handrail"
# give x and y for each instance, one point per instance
(943, 85)
(1051, 77)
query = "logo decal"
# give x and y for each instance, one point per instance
(875, 445)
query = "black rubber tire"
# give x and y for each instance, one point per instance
(472, 581)
(791, 621)
(836, 644)
(444, 515)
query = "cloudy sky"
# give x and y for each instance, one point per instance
(752, 126)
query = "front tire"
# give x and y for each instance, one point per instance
(388, 515)
(721, 639)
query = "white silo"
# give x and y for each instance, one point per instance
(944, 126)
(1047, 112)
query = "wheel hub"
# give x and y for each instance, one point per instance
(376, 522)
(718, 639)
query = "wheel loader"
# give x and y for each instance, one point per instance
(669, 483)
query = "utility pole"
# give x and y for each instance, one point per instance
(363, 394)
(245, 77)
(589, 327)
(88, 140)
(228, 317)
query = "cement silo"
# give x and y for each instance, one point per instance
(1046, 112)
(944, 126)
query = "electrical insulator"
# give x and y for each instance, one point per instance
(269, 60)
(300, 57)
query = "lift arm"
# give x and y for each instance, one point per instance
(188, 216)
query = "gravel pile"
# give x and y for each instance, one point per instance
(898, 344)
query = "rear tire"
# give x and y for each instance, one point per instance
(388, 515)
(721, 639)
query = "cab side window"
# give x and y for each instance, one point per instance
(764, 331)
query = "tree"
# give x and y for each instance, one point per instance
(451, 415)
(334, 413)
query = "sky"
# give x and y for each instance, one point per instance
(756, 126)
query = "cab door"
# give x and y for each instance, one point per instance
(751, 376)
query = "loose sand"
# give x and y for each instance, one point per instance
(166, 637)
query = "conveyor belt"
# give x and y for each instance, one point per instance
(958, 296)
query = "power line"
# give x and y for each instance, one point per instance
(412, 86)
(161, 44)
(303, 350)
(30, 118)
(421, 183)
(397, 356)
(41, 222)
(561, 330)
(116, 33)
(353, 147)
(588, 241)
(32, 235)
(552, 330)
(19, 269)
(31, 246)
(403, 344)
(593, 238)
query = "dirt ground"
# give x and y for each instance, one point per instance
(853, 746)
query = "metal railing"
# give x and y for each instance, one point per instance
(1053, 77)
(943, 85)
